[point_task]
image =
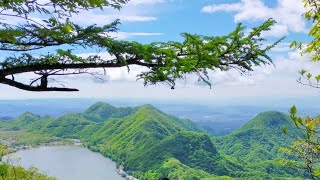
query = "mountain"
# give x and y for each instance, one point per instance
(132, 134)
(137, 135)
(151, 144)
(193, 149)
(257, 145)
(21, 122)
(66, 126)
(103, 111)
(80, 124)
(260, 138)
(131, 139)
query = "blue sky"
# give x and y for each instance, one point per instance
(176, 16)
(163, 20)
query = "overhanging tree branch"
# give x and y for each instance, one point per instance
(166, 61)
(33, 88)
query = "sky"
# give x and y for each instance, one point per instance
(147, 21)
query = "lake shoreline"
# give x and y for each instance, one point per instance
(60, 142)
(84, 154)
(15, 148)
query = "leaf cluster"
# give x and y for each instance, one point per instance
(306, 147)
(312, 14)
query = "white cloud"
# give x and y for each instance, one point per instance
(265, 78)
(278, 30)
(281, 47)
(127, 35)
(130, 12)
(222, 7)
(116, 74)
(136, 18)
(89, 18)
(288, 14)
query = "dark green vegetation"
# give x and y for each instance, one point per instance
(14, 135)
(8, 171)
(259, 139)
(258, 143)
(151, 144)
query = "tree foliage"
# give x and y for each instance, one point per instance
(312, 14)
(306, 78)
(166, 61)
(313, 47)
(306, 147)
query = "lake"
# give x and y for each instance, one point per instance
(69, 163)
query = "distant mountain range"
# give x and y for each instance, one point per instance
(218, 118)
(151, 144)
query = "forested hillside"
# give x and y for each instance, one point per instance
(151, 144)
(260, 138)
(257, 143)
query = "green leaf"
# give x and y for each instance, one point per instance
(68, 28)
(311, 126)
(309, 135)
(317, 78)
(293, 110)
(293, 43)
(295, 120)
(284, 130)
(302, 72)
(313, 30)
(309, 75)
(316, 172)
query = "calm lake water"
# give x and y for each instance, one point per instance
(69, 163)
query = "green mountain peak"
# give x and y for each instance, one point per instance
(102, 111)
(267, 120)
(99, 106)
(147, 106)
(28, 114)
(260, 138)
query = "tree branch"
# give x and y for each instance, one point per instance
(32, 68)
(33, 88)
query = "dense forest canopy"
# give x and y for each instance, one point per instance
(151, 144)
(166, 61)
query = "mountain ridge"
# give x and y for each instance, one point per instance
(266, 129)
(147, 141)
